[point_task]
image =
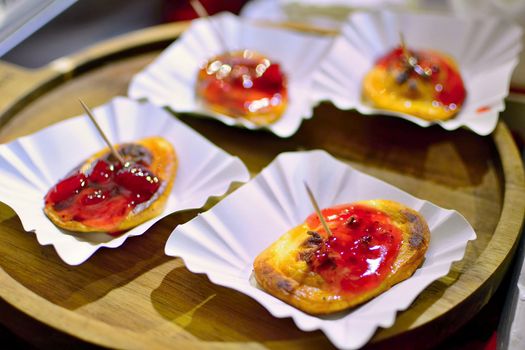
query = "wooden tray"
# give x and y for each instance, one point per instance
(136, 297)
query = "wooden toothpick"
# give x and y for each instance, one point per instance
(199, 8)
(202, 13)
(317, 210)
(404, 47)
(90, 115)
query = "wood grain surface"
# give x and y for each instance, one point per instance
(136, 297)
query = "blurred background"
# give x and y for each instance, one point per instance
(34, 32)
(49, 34)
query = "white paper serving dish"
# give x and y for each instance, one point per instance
(31, 165)
(486, 51)
(224, 241)
(170, 80)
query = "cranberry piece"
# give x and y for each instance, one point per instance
(273, 74)
(137, 198)
(138, 180)
(66, 188)
(272, 79)
(101, 173)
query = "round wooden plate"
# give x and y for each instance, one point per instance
(136, 297)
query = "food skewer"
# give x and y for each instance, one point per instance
(404, 47)
(202, 13)
(90, 115)
(317, 210)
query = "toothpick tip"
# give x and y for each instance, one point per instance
(317, 209)
(94, 121)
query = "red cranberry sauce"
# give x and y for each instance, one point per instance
(104, 195)
(243, 85)
(361, 251)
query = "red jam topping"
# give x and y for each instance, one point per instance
(361, 250)
(243, 84)
(436, 70)
(107, 192)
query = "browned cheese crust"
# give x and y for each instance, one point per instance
(281, 270)
(164, 165)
